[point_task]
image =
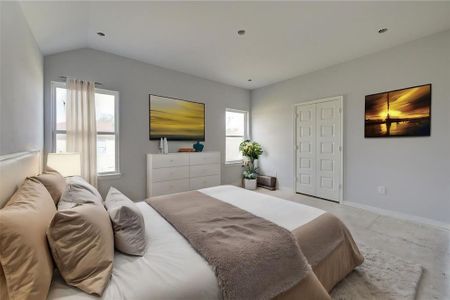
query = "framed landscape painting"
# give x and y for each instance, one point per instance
(176, 119)
(405, 112)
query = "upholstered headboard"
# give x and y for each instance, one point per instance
(14, 168)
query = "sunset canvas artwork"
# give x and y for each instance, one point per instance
(405, 112)
(176, 119)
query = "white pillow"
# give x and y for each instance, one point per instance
(128, 223)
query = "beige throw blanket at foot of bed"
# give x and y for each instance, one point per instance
(333, 253)
(252, 257)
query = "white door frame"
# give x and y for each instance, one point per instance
(341, 179)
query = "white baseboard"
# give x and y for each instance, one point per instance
(399, 215)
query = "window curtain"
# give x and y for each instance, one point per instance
(81, 126)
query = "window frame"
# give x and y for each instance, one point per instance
(58, 84)
(245, 136)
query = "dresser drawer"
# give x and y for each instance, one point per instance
(204, 158)
(204, 170)
(170, 187)
(169, 160)
(170, 174)
(204, 182)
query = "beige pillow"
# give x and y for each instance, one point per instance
(24, 254)
(128, 223)
(3, 286)
(54, 183)
(82, 242)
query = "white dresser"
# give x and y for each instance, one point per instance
(180, 172)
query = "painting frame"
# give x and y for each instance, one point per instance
(154, 137)
(425, 132)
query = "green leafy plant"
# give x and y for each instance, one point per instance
(251, 151)
(249, 171)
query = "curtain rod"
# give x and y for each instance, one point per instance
(65, 78)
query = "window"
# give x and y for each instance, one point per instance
(236, 129)
(106, 110)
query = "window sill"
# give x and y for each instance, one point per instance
(109, 175)
(233, 163)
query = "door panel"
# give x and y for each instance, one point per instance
(328, 120)
(318, 149)
(305, 149)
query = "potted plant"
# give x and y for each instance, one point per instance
(251, 151)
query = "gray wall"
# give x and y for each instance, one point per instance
(135, 80)
(416, 171)
(21, 96)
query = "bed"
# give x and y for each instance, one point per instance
(172, 269)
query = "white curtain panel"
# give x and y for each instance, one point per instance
(81, 126)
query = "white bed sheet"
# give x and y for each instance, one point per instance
(171, 268)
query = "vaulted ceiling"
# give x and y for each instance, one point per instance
(282, 40)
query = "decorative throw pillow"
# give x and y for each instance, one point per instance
(81, 241)
(79, 191)
(128, 223)
(25, 258)
(78, 180)
(3, 286)
(54, 183)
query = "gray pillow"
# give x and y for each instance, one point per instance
(78, 191)
(82, 183)
(128, 223)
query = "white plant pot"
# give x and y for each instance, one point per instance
(250, 184)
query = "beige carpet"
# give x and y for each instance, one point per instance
(382, 276)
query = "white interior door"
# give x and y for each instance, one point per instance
(306, 149)
(319, 149)
(328, 143)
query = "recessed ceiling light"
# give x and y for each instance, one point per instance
(249, 79)
(241, 32)
(382, 30)
(101, 34)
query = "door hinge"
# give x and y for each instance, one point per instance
(340, 148)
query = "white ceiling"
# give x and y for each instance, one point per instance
(283, 39)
